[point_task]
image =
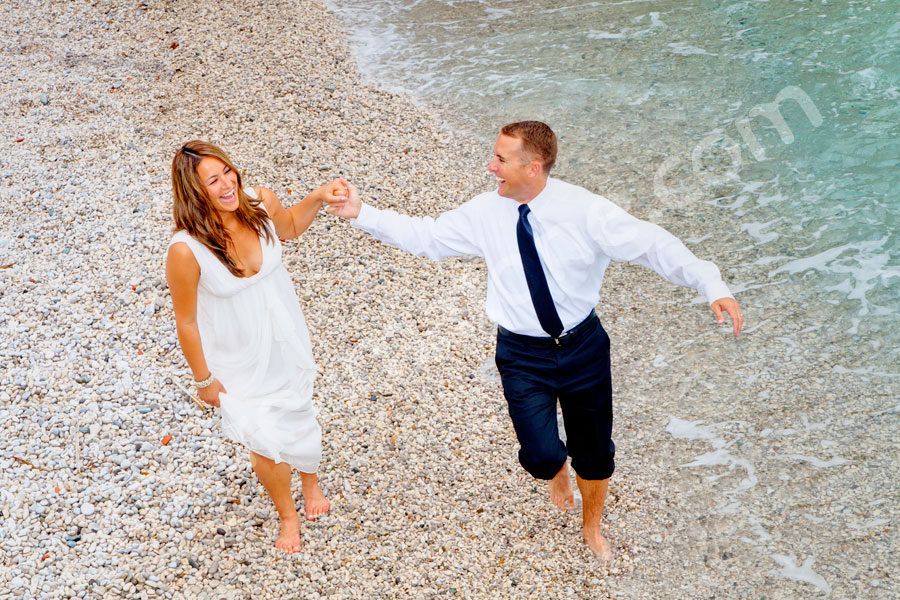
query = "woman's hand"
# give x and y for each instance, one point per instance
(210, 394)
(347, 205)
(335, 192)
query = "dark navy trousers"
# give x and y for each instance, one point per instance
(538, 372)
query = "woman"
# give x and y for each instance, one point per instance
(239, 322)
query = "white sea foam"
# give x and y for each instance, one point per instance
(690, 430)
(606, 35)
(869, 525)
(864, 266)
(862, 371)
(722, 457)
(804, 573)
(685, 49)
(814, 518)
(756, 230)
(638, 101)
(762, 536)
(869, 77)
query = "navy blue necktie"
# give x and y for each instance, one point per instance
(534, 275)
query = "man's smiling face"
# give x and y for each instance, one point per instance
(514, 169)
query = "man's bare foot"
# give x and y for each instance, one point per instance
(598, 545)
(561, 489)
(289, 538)
(313, 499)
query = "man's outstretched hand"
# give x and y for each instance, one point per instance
(345, 206)
(733, 309)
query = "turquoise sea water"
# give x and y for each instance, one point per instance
(670, 93)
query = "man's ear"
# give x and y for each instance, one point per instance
(535, 169)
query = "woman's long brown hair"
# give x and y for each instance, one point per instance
(195, 213)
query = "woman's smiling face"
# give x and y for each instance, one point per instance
(220, 183)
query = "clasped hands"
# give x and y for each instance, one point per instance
(342, 199)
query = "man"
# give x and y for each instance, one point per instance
(547, 244)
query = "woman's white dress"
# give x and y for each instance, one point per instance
(257, 344)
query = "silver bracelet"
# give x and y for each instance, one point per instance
(202, 383)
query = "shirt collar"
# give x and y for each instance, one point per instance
(542, 201)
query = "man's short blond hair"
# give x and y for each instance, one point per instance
(538, 140)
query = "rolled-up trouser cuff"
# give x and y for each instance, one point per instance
(544, 469)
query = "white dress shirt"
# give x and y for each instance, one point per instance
(577, 234)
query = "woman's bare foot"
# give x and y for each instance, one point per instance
(561, 493)
(313, 499)
(289, 538)
(598, 545)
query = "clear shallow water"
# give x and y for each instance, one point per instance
(658, 105)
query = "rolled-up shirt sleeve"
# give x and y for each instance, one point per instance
(453, 233)
(623, 238)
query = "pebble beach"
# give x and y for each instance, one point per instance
(114, 483)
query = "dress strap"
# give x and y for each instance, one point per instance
(201, 253)
(185, 237)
